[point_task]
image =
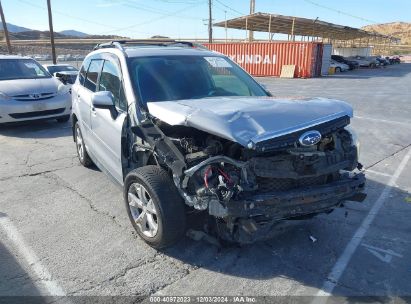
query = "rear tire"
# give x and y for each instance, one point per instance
(62, 119)
(154, 206)
(82, 154)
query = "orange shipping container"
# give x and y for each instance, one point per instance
(267, 58)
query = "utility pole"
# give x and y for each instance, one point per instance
(225, 25)
(53, 49)
(6, 32)
(210, 22)
(252, 11)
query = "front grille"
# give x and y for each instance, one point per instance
(283, 184)
(31, 97)
(37, 113)
(287, 140)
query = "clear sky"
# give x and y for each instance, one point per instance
(187, 18)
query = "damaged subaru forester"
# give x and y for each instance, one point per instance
(185, 130)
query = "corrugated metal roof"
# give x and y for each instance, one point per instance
(273, 23)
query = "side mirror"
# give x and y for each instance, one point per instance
(104, 100)
(60, 77)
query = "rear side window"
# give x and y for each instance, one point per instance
(110, 80)
(92, 74)
(83, 71)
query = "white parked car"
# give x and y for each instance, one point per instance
(339, 66)
(66, 73)
(29, 92)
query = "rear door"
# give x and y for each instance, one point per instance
(88, 78)
(106, 127)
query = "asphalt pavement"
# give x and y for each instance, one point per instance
(64, 229)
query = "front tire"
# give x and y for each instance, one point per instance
(337, 70)
(82, 154)
(154, 206)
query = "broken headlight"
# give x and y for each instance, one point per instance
(354, 139)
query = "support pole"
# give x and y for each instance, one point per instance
(269, 29)
(292, 30)
(225, 25)
(252, 11)
(6, 32)
(246, 29)
(53, 49)
(210, 22)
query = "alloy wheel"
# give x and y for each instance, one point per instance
(143, 209)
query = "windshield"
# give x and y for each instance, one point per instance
(21, 69)
(190, 77)
(60, 68)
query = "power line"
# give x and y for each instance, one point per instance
(157, 19)
(72, 17)
(340, 12)
(64, 14)
(230, 8)
(150, 9)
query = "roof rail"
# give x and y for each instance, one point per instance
(119, 44)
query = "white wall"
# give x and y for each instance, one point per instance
(350, 51)
(325, 64)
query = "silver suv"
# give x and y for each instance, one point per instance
(186, 130)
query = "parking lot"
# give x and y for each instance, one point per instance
(64, 229)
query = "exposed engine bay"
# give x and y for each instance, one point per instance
(248, 190)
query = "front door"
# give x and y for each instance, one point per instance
(106, 125)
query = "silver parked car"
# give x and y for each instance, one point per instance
(369, 62)
(28, 92)
(183, 129)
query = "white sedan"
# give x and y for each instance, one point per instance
(339, 67)
(29, 92)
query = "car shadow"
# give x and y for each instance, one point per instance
(36, 129)
(304, 251)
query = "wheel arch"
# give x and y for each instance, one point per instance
(74, 120)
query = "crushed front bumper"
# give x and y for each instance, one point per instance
(256, 217)
(296, 202)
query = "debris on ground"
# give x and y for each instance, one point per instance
(198, 235)
(313, 239)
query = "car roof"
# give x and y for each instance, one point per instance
(13, 57)
(57, 64)
(166, 51)
(68, 72)
(144, 51)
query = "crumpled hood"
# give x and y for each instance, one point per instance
(248, 120)
(29, 86)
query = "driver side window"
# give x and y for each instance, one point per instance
(226, 81)
(110, 80)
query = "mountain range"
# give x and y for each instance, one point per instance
(14, 30)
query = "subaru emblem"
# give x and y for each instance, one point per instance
(35, 96)
(310, 138)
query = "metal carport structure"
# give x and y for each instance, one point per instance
(307, 29)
